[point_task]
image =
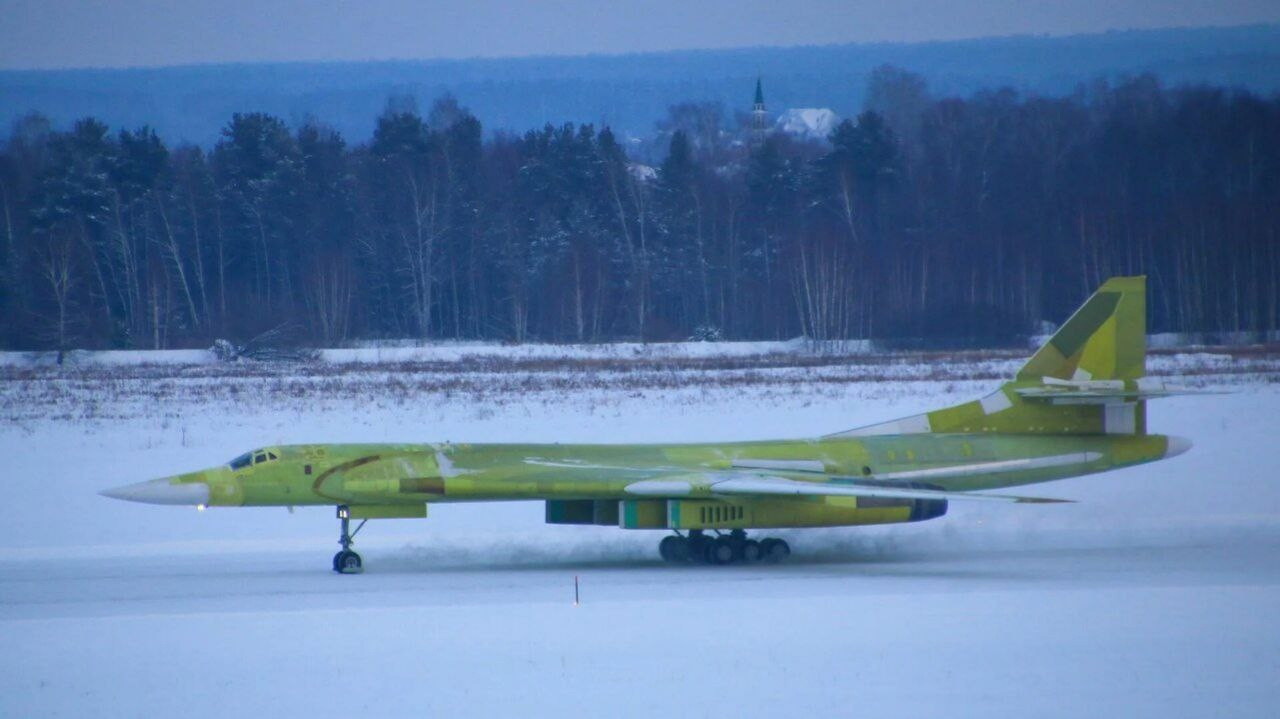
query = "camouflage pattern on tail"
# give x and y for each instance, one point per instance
(1106, 339)
(1087, 379)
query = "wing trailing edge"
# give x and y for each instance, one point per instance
(781, 486)
(726, 484)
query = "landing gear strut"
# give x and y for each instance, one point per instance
(347, 561)
(730, 548)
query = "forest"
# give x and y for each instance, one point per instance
(949, 219)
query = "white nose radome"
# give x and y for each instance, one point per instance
(160, 491)
(1176, 446)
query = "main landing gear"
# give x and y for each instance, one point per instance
(728, 548)
(347, 561)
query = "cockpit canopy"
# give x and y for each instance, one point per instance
(257, 456)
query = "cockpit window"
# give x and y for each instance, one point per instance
(257, 456)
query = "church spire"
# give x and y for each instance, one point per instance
(759, 116)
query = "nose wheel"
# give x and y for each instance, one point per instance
(347, 561)
(732, 548)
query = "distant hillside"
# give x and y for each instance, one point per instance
(629, 92)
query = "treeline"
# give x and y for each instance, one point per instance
(923, 217)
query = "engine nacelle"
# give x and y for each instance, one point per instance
(799, 512)
(583, 511)
(744, 513)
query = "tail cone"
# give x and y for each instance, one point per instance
(1176, 445)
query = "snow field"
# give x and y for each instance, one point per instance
(1155, 595)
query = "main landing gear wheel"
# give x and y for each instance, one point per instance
(719, 551)
(774, 550)
(347, 561)
(674, 548)
(731, 548)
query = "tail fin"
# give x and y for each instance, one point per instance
(1084, 380)
(1106, 339)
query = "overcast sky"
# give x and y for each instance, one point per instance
(115, 33)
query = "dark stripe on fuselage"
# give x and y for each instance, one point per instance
(315, 486)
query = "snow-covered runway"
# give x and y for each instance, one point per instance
(1156, 595)
(1148, 629)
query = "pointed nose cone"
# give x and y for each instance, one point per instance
(161, 491)
(1176, 446)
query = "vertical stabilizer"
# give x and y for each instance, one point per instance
(1084, 380)
(1105, 339)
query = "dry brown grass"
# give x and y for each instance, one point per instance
(71, 392)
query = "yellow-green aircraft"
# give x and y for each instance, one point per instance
(1078, 406)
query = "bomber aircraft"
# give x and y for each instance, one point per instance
(1078, 406)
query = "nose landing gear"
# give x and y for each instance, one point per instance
(347, 561)
(729, 548)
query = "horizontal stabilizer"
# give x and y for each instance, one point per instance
(1056, 391)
